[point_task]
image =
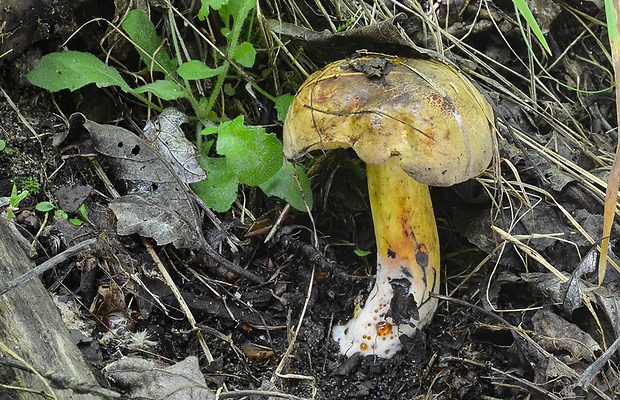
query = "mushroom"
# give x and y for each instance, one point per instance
(414, 122)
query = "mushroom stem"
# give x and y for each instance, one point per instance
(407, 264)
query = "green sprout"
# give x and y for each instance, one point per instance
(47, 206)
(14, 200)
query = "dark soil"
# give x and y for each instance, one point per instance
(489, 344)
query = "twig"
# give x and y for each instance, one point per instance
(289, 349)
(310, 253)
(179, 297)
(224, 263)
(276, 224)
(533, 387)
(51, 263)
(62, 382)
(23, 120)
(594, 368)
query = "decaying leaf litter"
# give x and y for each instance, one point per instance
(516, 243)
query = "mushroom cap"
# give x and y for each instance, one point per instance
(421, 110)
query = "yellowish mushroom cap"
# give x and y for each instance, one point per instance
(421, 110)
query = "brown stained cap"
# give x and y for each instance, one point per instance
(421, 110)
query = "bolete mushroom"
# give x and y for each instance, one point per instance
(414, 122)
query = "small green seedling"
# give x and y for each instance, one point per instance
(361, 253)
(47, 206)
(14, 201)
(2, 145)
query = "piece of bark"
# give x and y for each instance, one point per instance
(31, 327)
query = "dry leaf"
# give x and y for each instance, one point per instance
(164, 133)
(158, 206)
(150, 380)
(569, 342)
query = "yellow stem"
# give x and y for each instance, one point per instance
(407, 265)
(406, 232)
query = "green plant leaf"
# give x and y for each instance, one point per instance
(219, 189)
(229, 90)
(238, 9)
(522, 7)
(245, 54)
(282, 103)
(73, 70)
(361, 253)
(60, 214)
(2, 144)
(194, 70)
(83, 211)
(254, 155)
(613, 29)
(284, 184)
(164, 89)
(209, 130)
(45, 206)
(16, 198)
(206, 5)
(148, 43)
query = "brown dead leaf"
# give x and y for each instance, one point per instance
(565, 339)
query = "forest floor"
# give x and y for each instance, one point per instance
(521, 317)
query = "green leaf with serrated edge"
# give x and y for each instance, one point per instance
(73, 70)
(254, 155)
(45, 206)
(219, 189)
(148, 43)
(284, 184)
(282, 103)
(245, 54)
(164, 89)
(194, 70)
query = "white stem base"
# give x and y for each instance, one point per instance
(372, 332)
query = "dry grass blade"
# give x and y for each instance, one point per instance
(611, 195)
